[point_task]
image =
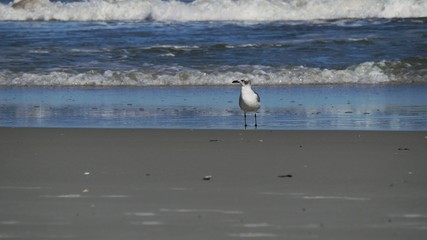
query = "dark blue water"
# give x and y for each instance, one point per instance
(144, 43)
(314, 53)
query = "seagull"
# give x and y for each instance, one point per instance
(249, 100)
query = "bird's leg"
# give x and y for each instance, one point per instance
(256, 124)
(245, 120)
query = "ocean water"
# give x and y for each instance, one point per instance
(320, 64)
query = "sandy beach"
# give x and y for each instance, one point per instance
(212, 184)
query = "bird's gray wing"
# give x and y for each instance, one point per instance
(257, 96)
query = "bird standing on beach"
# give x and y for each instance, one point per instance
(249, 100)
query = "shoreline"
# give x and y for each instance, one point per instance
(212, 184)
(248, 129)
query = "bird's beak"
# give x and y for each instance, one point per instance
(236, 81)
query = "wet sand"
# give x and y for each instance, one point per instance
(212, 184)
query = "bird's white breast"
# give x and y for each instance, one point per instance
(249, 100)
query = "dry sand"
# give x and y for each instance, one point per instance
(183, 184)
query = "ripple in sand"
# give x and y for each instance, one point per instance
(252, 235)
(141, 214)
(335, 198)
(185, 210)
(256, 225)
(316, 197)
(72, 195)
(22, 188)
(148, 223)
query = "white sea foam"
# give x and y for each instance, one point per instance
(216, 10)
(364, 73)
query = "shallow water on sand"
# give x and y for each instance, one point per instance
(332, 107)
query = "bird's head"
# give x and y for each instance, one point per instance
(243, 82)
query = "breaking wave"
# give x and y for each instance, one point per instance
(212, 10)
(410, 70)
